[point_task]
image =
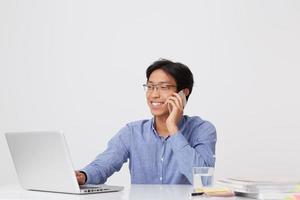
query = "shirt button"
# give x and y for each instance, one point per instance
(160, 178)
(162, 159)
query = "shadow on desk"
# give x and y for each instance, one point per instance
(17, 192)
(131, 192)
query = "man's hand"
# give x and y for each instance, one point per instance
(81, 178)
(176, 113)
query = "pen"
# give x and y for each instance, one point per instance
(196, 193)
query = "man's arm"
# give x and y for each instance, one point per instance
(110, 161)
(200, 151)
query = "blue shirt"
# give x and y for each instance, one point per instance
(154, 159)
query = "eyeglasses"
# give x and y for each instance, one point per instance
(163, 87)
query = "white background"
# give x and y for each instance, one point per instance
(78, 66)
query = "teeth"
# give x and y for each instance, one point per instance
(156, 104)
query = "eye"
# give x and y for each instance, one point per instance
(164, 87)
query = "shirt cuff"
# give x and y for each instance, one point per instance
(90, 175)
(178, 141)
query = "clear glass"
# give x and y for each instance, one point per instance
(203, 177)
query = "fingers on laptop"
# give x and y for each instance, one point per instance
(80, 177)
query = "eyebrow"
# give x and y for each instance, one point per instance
(161, 82)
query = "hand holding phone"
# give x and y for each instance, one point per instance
(175, 113)
(183, 98)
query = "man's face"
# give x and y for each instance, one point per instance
(164, 86)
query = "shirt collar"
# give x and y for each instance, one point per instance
(181, 124)
(153, 127)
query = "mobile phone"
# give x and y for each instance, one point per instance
(183, 97)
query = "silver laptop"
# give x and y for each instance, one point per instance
(43, 163)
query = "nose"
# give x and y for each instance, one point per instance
(155, 92)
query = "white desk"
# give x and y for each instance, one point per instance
(131, 192)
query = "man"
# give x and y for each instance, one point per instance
(164, 149)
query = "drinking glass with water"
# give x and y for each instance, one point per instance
(203, 177)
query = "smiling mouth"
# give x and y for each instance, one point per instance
(156, 104)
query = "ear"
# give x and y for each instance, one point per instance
(186, 91)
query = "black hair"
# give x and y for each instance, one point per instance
(180, 72)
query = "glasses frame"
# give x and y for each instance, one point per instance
(157, 87)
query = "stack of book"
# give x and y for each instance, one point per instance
(261, 189)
